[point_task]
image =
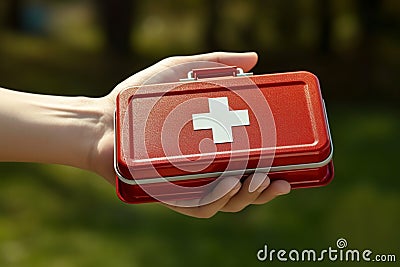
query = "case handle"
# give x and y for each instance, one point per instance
(204, 73)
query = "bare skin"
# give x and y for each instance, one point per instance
(78, 131)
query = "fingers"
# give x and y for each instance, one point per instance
(212, 203)
(151, 75)
(276, 188)
(257, 189)
(246, 60)
(253, 186)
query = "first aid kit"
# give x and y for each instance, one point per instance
(174, 139)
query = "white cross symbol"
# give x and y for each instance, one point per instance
(220, 120)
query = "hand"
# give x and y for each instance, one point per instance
(239, 195)
(78, 131)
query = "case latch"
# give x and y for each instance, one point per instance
(204, 73)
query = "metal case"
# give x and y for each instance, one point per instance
(164, 134)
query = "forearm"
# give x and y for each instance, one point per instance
(47, 129)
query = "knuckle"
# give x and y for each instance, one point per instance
(235, 208)
(205, 213)
(170, 60)
(167, 61)
(265, 200)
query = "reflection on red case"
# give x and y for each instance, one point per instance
(155, 123)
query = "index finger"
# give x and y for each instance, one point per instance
(246, 61)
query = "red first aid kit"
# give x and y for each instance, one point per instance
(172, 140)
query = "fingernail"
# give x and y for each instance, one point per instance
(284, 189)
(282, 193)
(258, 180)
(263, 186)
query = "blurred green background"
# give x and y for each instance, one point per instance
(60, 216)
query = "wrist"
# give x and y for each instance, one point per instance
(99, 137)
(83, 127)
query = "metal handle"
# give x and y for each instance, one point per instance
(204, 73)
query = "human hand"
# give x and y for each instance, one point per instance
(236, 195)
(79, 132)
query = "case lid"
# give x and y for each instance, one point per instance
(205, 126)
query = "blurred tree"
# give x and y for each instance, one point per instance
(214, 8)
(116, 18)
(246, 31)
(13, 20)
(370, 20)
(288, 27)
(369, 12)
(325, 17)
